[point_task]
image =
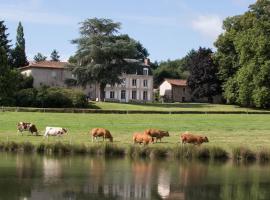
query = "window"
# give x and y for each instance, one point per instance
(111, 94)
(134, 82)
(134, 94)
(123, 94)
(53, 74)
(184, 90)
(145, 83)
(145, 95)
(145, 71)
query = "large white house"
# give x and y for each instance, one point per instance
(137, 86)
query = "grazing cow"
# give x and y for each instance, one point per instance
(27, 126)
(155, 133)
(142, 138)
(101, 132)
(193, 139)
(54, 131)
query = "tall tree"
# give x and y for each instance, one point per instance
(18, 55)
(39, 57)
(243, 56)
(4, 42)
(102, 52)
(203, 79)
(8, 80)
(55, 56)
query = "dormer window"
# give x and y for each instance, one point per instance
(145, 71)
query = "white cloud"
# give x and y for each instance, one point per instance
(31, 11)
(208, 25)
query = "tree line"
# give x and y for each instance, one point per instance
(238, 70)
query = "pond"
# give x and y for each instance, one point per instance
(49, 177)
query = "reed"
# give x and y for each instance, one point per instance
(139, 151)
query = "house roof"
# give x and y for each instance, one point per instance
(46, 64)
(177, 82)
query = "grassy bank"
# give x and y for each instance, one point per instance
(225, 131)
(240, 137)
(134, 151)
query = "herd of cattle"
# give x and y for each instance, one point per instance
(146, 137)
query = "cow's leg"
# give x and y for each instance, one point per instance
(92, 138)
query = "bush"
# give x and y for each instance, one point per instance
(51, 98)
(26, 97)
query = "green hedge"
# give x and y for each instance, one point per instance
(51, 98)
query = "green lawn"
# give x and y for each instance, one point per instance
(169, 107)
(226, 131)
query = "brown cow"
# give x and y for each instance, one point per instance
(27, 126)
(193, 139)
(155, 133)
(142, 138)
(101, 132)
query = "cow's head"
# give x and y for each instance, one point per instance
(205, 139)
(64, 130)
(165, 133)
(111, 139)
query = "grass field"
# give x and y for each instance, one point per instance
(226, 131)
(169, 107)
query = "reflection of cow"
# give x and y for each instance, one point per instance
(155, 133)
(54, 131)
(101, 132)
(193, 139)
(27, 126)
(142, 138)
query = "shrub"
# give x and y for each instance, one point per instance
(61, 98)
(26, 97)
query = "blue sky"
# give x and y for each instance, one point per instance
(167, 28)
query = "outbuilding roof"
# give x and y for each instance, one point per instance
(178, 82)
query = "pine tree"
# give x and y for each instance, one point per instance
(39, 57)
(4, 42)
(8, 80)
(18, 54)
(55, 56)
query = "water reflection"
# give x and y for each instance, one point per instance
(36, 177)
(52, 170)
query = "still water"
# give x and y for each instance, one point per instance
(47, 177)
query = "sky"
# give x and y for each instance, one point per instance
(169, 29)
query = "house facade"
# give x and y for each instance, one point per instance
(175, 90)
(136, 86)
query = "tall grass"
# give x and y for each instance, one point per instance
(139, 151)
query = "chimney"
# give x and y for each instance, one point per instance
(147, 61)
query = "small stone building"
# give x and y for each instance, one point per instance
(175, 90)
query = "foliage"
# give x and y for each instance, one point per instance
(18, 54)
(170, 69)
(26, 97)
(51, 98)
(102, 52)
(4, 42)
(39, 57)
(203, 80)
(55, 55)
(8, 80)
(243, 57)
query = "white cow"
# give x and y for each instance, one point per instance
(54, 131)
